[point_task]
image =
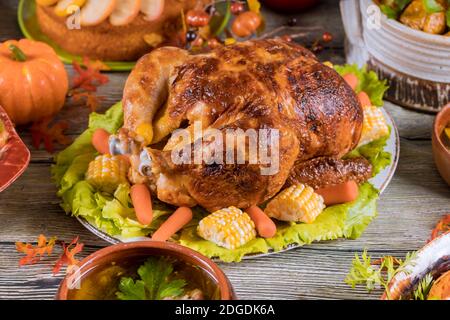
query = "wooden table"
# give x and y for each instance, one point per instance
(408, 210)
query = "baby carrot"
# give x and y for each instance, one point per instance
(352, 80)
(181, 217)
(339, 193)
(264, 225)
(100, 141)
(364, 99)
(142, 203)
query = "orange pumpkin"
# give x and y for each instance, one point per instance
(246, 23)
(33, 81)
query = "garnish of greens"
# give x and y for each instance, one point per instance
(154, 282)
(376, 274)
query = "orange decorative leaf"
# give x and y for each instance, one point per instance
(68, 255)
(42, 133)
(89, 77)
(97, 65)
(89, 98)
(441, 227)
(35, 253)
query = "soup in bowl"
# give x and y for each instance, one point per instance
(146, 270)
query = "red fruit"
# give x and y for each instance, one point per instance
(237, 7)
(197, 18)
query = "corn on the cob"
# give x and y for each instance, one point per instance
(107, 172)
(229, 228)
(374, 125)
(298, 203)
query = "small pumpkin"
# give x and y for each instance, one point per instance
(33, 81)
(246, 24)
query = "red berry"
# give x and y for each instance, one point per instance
(237, 7)
(197, 42)
(197, 18)
(213, 43)
(327, 37)
(286, 38)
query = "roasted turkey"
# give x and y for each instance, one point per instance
(261, 84)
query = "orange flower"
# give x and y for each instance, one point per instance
(35, 253)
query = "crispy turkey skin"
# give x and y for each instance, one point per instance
(261, 84)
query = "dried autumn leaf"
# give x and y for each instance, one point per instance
(97, 65)
(68, 255)
(441, 227)
(35, 253)
(89, 77)
(89, 98)
(379, 262)
(43, 133)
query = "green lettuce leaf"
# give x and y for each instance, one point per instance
(368, 82)
(374, 152)
(361, 212)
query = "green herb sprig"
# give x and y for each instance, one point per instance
(365, 272)
(154, 282)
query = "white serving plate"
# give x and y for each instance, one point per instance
(380, 182)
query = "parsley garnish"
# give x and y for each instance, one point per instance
(373, 275)
(154, 283)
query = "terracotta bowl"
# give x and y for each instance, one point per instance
(124, 251)
(441, 154)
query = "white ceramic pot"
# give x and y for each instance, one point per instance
(417, 64)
